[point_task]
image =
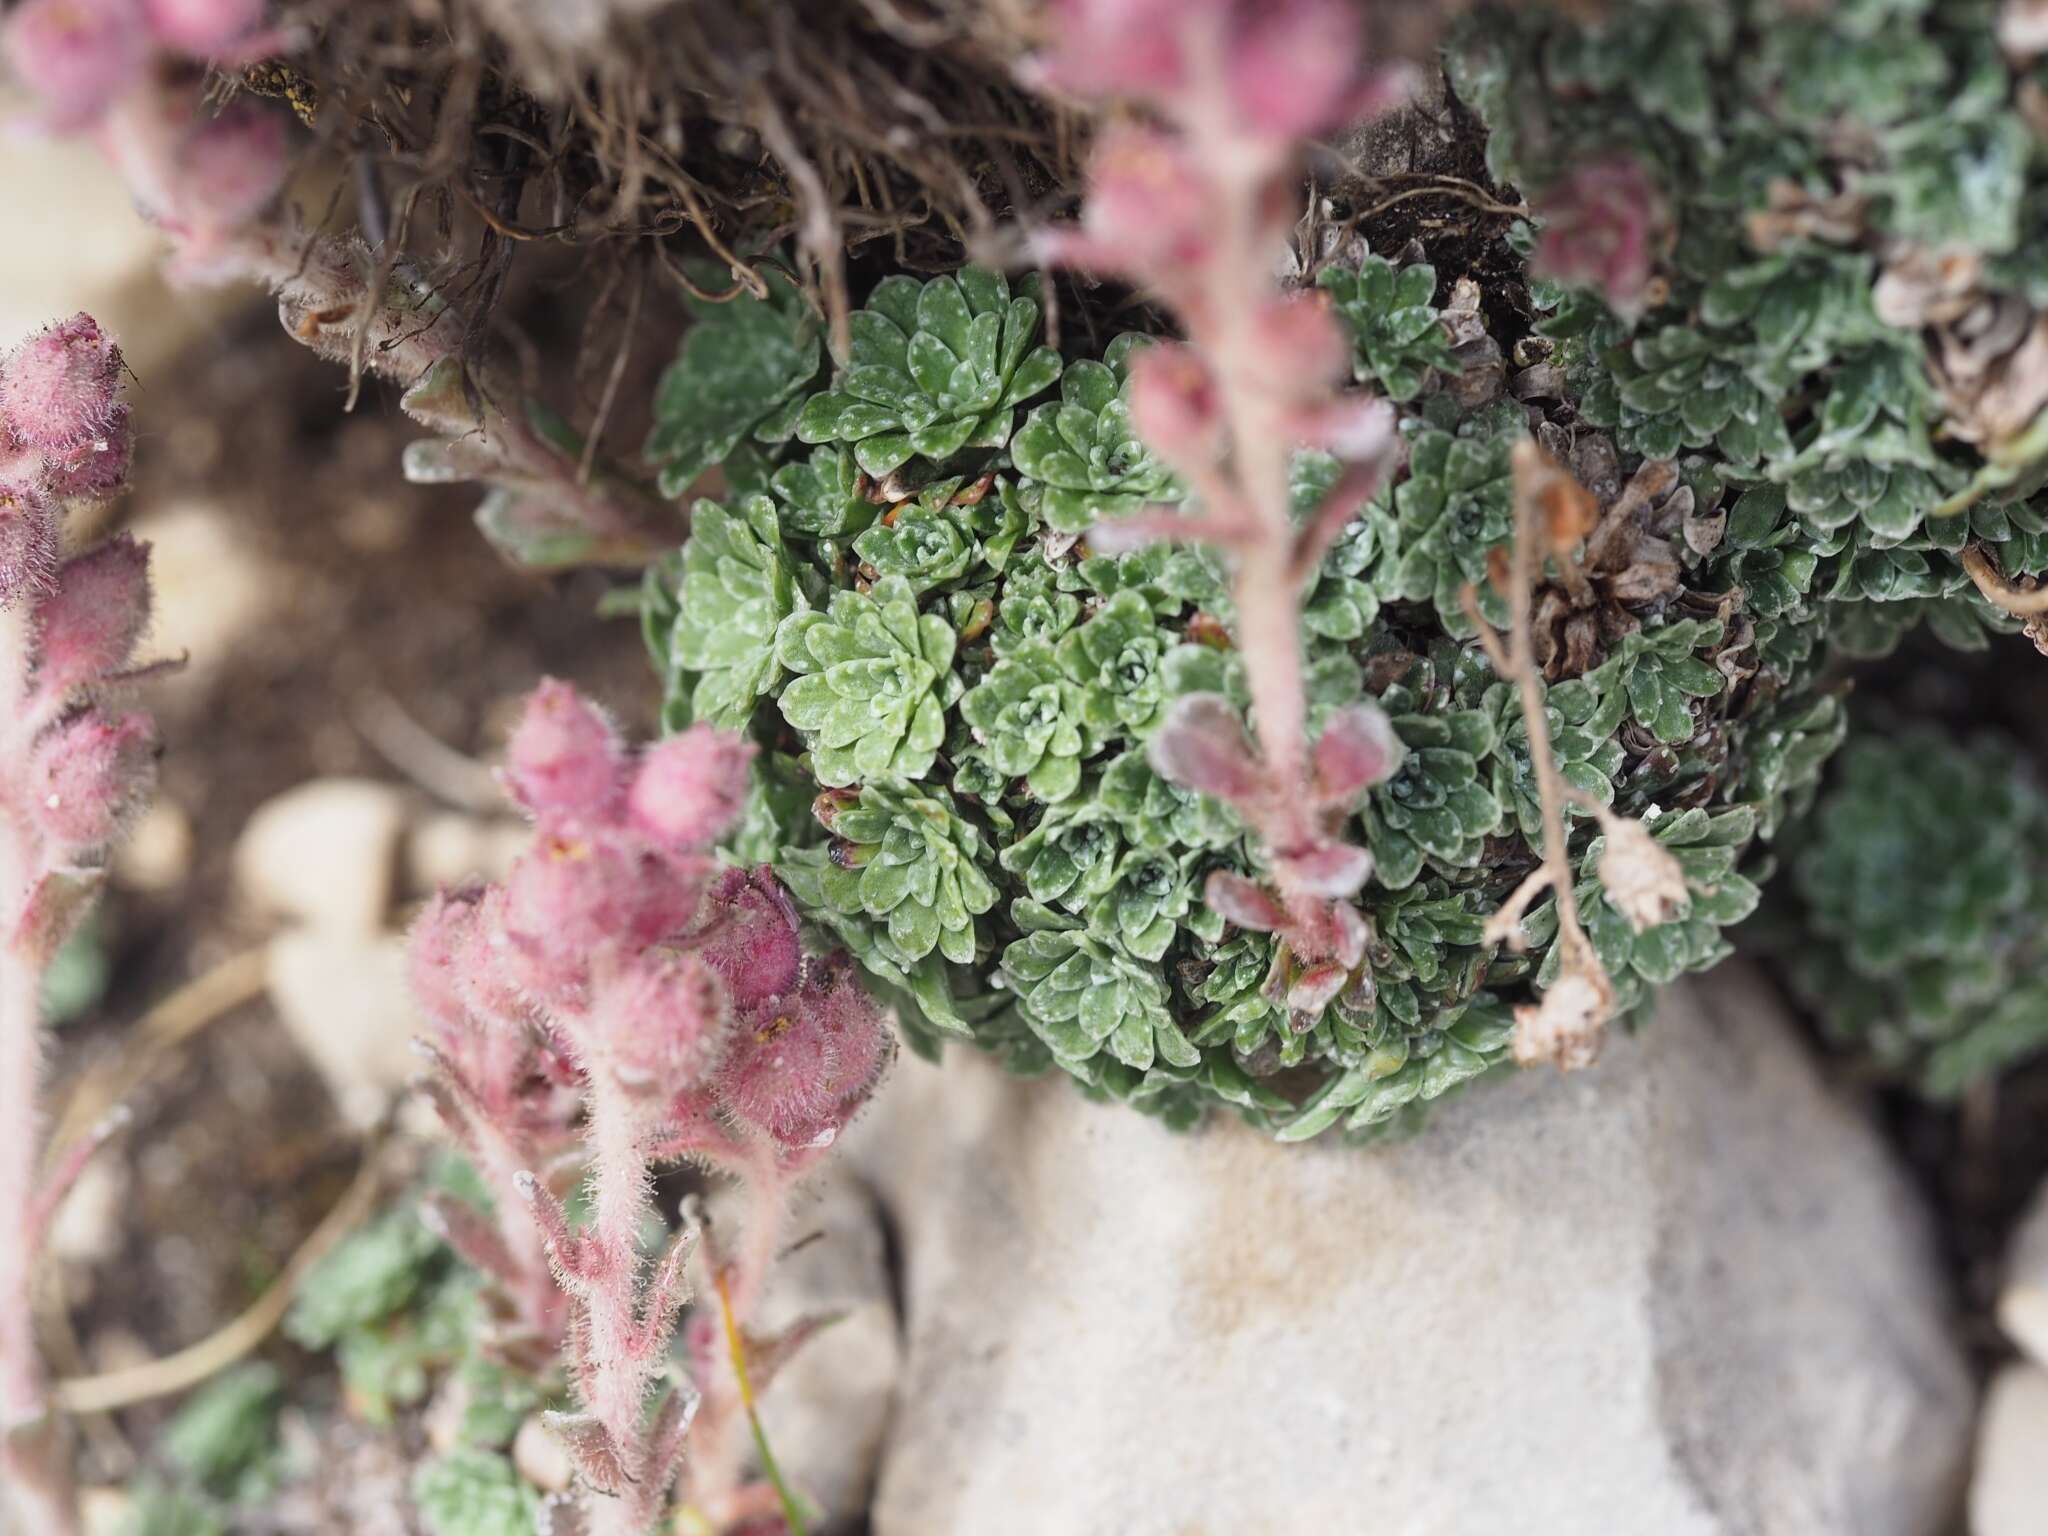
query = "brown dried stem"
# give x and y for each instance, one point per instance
(1547, 514)
(1999, 590)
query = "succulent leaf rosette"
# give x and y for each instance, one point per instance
(1397, 334)
(1085, 452)
(937, 367)
(1918, 886)
(1840, 425)
(872, 680)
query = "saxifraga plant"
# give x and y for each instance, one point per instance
(1918, 889)
(72, 770)
(1752, 487)
(621, 972)
(1039, 819)
(1178, 715)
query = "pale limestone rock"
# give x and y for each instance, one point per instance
(826, 1408)
(451, 849)
(2023, 1300)
(2009, 1490)
(156, 856)
(325, 853)
(540, 1458)
(1685, 1293)
(343, 999)
(210, 591)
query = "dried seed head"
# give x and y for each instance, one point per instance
(1644, 882)
(1566, 1027)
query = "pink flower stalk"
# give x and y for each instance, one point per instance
(75, 56)
(1602, 225)
(71, 773)
(619, 969)
(1196, 210)
(78, 58)
(213, 182)
(203, 28)
(1276, 70)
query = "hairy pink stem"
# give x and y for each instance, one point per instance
(536, 1299)
(1264, 585)
(37, 1481)
(721, 1438)
(622, 1370)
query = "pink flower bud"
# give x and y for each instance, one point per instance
(805, 1066)
(564, 756)
(202, 27)
(229, 169)
(1150, 210)
(567, 896)
(780, 1076)
(1294, 66)
(1324, 869)
(1119, 47)
(1174, 404)
(28, 541)
(1356, 428)
(57, 389)
(76, 56)
(752, 943)
(97, 469)
(1601, 225)
(435, 951)
(87, 773)
(1316, 986)
(663, 1019)
(88, 627)
(690, 788)
(1242, 901)
(486, 966)
(696, 1128)
(1358, 749)
(1321, 928)
(668, 895)
(1201, 746)
(580, 892)
(1298, 347)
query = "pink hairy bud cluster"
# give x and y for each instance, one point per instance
(1602, 226)
(77, 57)
(618, 938)
(1203, 747)
(71, 770)
(1269, 70)
(64, 435)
